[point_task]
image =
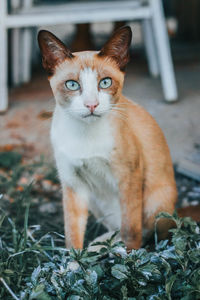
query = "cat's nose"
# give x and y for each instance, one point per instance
(92, 106)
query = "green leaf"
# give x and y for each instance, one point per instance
(35, 275)
(73, 297)
(169, 284)
(164, 215)
(91, 277)
(119, 272)
(39, 293)
(9, 159)
(168, 254)
(124, 292)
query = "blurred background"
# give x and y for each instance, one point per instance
(163, 74)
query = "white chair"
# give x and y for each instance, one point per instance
(21, 41)
(149, 12)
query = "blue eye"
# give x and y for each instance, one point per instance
(72, 85)
(105, 83)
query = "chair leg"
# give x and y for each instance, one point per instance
(34, 52)
(26, 48)
(150, 47)
(21, 55)
(4, 69)
(164, 54)
(26, 59)
(15, 54)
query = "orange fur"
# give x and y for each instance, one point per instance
(143, 166)
(190, 211)
(140, 159)
(75, 218)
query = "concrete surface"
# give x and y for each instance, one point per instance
(25, 124)
(180, 121)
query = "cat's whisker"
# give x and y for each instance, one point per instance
(76, 109)
(119, 111)
(73, 111)
(103, 111)
(121, 103)
(118, 108)
(119, 116)
(122, 114)
(123, 117)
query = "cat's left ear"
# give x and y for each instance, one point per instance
(117, 47)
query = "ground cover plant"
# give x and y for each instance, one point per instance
(34, 263)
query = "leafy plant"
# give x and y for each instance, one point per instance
(36, 265)
(38, 269)
(9, 159)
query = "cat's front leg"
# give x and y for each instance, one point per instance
(131, 209)
(75, 206)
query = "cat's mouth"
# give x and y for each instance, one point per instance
(91, 115)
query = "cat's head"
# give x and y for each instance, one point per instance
(86, 84)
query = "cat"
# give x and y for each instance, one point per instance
(111, 155)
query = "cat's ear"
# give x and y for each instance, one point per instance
(53, 50)
(117, 46)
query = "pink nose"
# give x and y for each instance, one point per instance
(92, 107)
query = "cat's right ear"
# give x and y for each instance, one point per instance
(53, 51)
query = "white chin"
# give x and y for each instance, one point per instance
(90, 118)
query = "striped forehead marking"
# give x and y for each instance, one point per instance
(88, 80)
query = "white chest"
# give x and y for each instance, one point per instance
(79, 146)
(83, 160)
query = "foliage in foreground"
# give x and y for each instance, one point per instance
(37, 269)
(36, 266)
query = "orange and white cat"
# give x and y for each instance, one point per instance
(111, 155)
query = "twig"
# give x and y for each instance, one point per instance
(9, 289)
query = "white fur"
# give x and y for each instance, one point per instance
(63, 68)
(89, 95)
(83, 149)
